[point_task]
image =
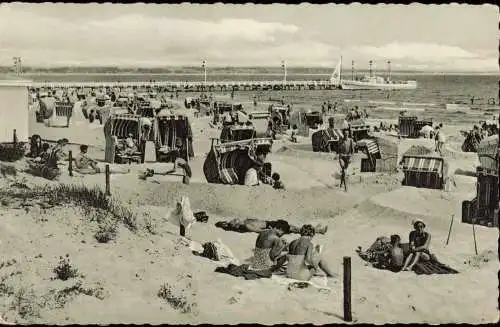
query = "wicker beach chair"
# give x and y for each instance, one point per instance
(116, 129)
(227, 163)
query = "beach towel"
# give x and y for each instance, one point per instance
(432, 266)
(244, 271)
(186, 217)
(319, 282)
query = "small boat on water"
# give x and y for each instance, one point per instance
(371, 81)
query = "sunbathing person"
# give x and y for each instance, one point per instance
(269, 248)
(130, 144)
(84, 164)
(304, 259)
(257, 226)
(397, 255)
(419, 245)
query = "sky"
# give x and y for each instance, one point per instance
(415, 37)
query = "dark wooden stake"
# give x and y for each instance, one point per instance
(70, 165)
(474, 236)
(14, 137)
(449, 231)
(347, 289)
(108, 188)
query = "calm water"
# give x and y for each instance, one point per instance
(437, 89)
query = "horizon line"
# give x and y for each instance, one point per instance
(241, 67)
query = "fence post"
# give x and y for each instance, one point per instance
(14, 137)
(347, 289)
(108, 189)
(70, 164)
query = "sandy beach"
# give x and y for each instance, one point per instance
(130, 270)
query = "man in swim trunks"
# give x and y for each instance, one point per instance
(304, 259)
(396, 258)
(257, 226)
(346, 150)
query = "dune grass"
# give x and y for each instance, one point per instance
(93, 201)
(11, 152)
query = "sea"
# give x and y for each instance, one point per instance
(477, 94)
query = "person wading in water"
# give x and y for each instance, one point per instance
(346, 150)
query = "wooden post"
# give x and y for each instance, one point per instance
(14, 137)
(474, 236)
(108, 188)
(70, 164)
(347, 289)
(449, 231)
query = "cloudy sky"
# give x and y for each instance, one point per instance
(439, 38)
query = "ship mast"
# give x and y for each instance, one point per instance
(370, 63)
(340, 73)
(352, 70)
(389, 70)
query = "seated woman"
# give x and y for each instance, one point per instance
(304, 259)
(257, 226)
(269, 248)
(419, 245)
(130, 144)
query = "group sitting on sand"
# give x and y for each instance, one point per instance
(415, 255)
(301, 257)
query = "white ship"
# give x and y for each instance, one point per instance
(369, 82)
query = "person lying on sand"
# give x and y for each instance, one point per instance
(252, 225)
(269, 248)
(304, 259)
(419, 245)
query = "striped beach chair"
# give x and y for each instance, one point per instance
(423, 171)
(407, 126)
(116, 129)
(359, 129)
(237, 133)
(326, 140)
(167, 130)
(371, 148)
(227, 163)
(487, 192)
(487, 152)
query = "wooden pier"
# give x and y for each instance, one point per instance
(211, 86)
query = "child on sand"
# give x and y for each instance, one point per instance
(277, 183)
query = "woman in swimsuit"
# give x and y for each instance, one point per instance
(419, 245)
(304, 259)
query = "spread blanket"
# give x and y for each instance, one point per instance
(244, 271)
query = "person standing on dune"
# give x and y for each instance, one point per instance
(346, 150)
